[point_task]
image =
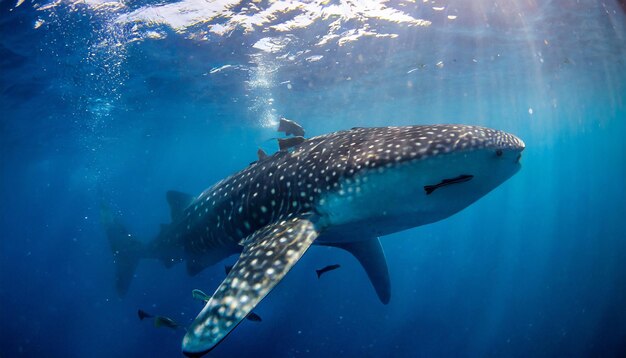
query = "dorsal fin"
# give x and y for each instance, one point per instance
(178, 202)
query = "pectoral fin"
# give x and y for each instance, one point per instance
(268, 255)
(371, 256)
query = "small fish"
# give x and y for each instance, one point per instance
(159, 321)
(460, 179)
(227, 269)
(261, 154)
(254, 317)
(290, 127)
(162, 321)
(199, 295)
(323, 270)
(286, 143)
(143, 314)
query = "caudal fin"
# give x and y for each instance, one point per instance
(126, 250)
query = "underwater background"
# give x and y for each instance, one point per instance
(118, 101)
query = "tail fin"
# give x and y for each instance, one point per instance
(126, 250)
(319, 273)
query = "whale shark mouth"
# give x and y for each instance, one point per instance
(445, 182)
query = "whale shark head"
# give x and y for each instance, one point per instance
(418, 175)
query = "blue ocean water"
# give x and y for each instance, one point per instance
(121, 101)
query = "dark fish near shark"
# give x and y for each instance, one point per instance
(290, 127)
(343, 189)
(227, 269)
(253, 317)
(200, 295)
(286, 143)
(460, 179)
(325, 269)
(159, 321)
(162, 321)
(143, 314)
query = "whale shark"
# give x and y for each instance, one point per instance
(344, 189)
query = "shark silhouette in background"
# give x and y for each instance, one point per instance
(343, 189)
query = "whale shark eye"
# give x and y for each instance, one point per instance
(499, 152)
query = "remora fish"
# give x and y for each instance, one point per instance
(286, 143)
(227, 269)
(200, 295)
(143, 314)
(325, 269)
(162, 321)
(343, 189)
(460, 179)
(159, 321)
(290, 127)
(253, 317)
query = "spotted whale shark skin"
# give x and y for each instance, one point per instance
(343, 189)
